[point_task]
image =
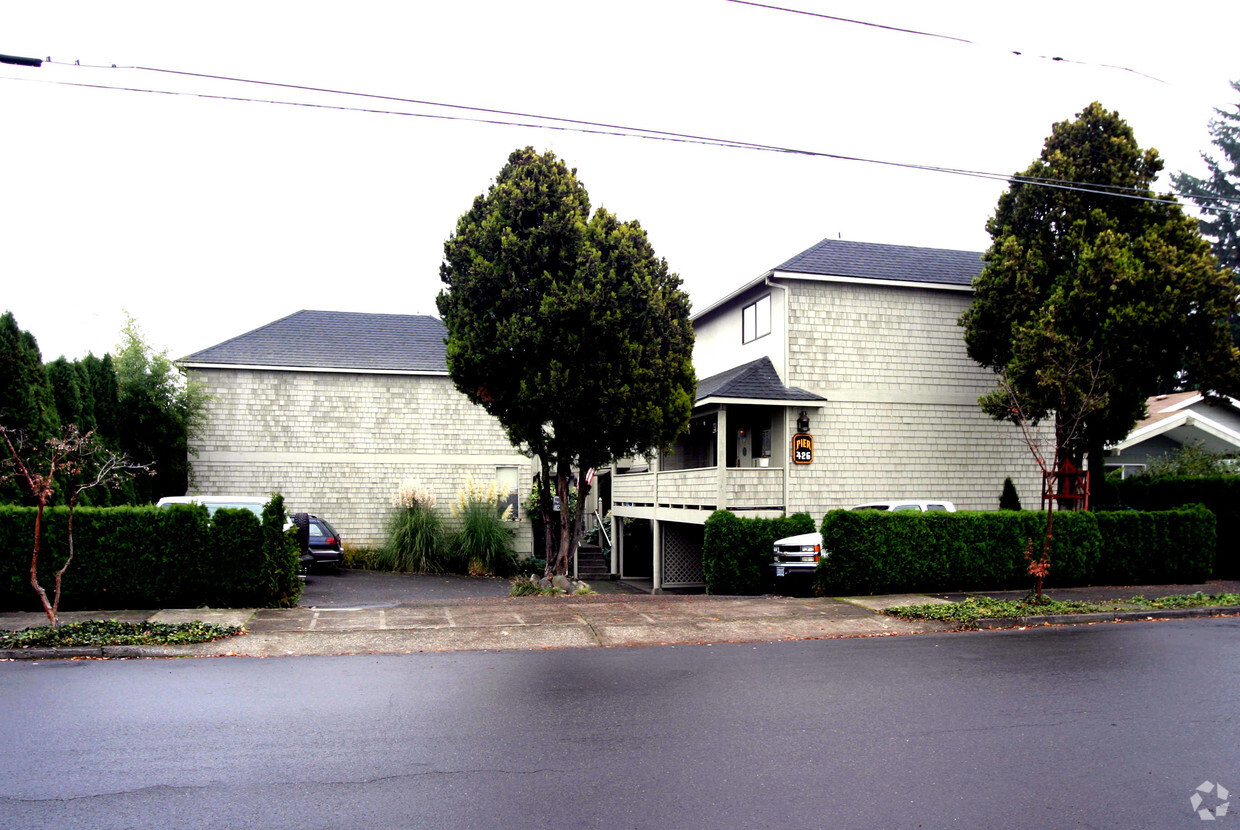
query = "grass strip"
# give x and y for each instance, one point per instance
(114, 633)
(969, 611)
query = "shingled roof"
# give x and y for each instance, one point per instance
(341, 340)
(756, 380)
(864, 260)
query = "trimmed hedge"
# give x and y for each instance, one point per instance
(147, 557)
(736, 552)
(874, 552)
(1221, 494)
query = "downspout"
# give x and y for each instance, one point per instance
(787, 379)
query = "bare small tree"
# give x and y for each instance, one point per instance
(84, 464)
(1051, 451)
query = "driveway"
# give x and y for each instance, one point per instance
(373, 589)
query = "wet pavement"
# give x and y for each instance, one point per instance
(358, 612)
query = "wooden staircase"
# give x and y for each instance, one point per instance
(592, 564)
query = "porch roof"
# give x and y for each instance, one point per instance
(753, 382)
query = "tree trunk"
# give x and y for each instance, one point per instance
(34, 565)
(1099, 490)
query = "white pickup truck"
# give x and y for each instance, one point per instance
(801, 554)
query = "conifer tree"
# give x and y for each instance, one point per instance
(1090, 299)
(1218, 195)
(567, 328)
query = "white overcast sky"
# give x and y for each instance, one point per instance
(205, 218)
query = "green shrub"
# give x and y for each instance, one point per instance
(1008, 499)
(147, 557)
(281, 556)
(415, 540)
(528, 586)
(736, 552)
(872, 552)
(114, 633)
(1149, 548)
(1220, 494)
(532, 566)
(365, 558)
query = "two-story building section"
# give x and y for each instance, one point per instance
(334, 409)
(838, 377)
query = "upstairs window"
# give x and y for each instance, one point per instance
(756, 319)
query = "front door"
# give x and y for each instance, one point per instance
(744, 448)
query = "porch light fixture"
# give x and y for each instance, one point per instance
(803, 422)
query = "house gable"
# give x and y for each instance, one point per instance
(1179, 419)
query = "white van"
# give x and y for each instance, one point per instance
(800, 554)
(254, 504)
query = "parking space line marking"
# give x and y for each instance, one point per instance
(448, 614)
(314, 621)
(382, 619)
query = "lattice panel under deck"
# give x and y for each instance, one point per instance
(682, 555)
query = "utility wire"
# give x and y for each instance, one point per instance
(576, 125)
(1054, 58)
(623, 130)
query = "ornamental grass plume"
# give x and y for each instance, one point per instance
(483, 542)
(412, 492)
(476, 493)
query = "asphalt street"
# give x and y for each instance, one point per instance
(1111, 725)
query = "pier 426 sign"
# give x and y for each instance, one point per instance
(802, 448)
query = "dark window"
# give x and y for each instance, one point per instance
(756, 319)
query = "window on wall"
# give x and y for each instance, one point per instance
(509, 479)
(756, 319)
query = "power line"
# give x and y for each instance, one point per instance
(563, 124)
(1019, 53)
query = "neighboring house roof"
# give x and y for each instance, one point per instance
(1185, 417)
(335, 341)
(753, 381)
(896, 263)
(835, 260)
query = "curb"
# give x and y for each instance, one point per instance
(72, 652)
(576, 635)
(993, 623)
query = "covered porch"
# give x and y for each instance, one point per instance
(734, 455)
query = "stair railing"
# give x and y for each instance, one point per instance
(602, 529)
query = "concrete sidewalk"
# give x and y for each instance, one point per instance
(508, 623)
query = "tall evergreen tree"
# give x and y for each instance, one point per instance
(26, 404)
(157, 413)
(87, 395)
(1218, 195)
(1090, 299)
(63, 377)
(567, 328)
(105, 394)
